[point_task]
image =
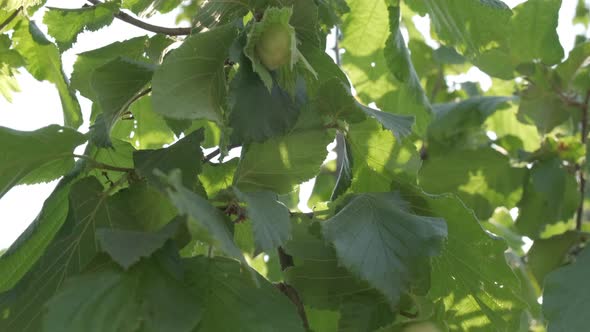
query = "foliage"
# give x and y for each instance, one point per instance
(418, 223)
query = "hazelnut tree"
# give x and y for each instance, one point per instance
(436, 205)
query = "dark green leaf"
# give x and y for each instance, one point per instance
(378, 238)
(147, 298)
(566, 297)
(547, 255)
(186, 155)
(191, 83)
(270, 219)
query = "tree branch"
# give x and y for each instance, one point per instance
(581, 177)
(146, 26)
(10, 18)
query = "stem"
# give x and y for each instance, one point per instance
(336, 48)
(286, 261)
(146, 26)
(99, 165)
(581, 177)
(10, 18)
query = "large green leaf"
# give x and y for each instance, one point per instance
(270, 219)
(381, 240)
(283, 162)
(36, 156)
(149, 297)
(191, 83)
(256, 112)
(566, 296)
(29, 246)
(479, 294)
(470, 25)
(44, 63)
(251, 308)
(64, 25)
(72, 249)
(483, 178)
(533, 34)
(87, 62)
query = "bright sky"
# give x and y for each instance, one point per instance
(38, 105)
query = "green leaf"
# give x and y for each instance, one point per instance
(411, 94)
(127, 247)
(379, 238)
(149, 7)
(214, 13)
(87, 62)
(566, 297)
(41, 155)
(8, 83)
(470, 25)
(281, 163)
(343, 168)
(482, 178)
(575, 61)
(202, 216)
(64, 25)
(533, 34)
(269, 217)
(71, 250)
(191, 83)
(400, 125)
(216, 177)
(251, 308)
(459, 123)
(43, 61)
(186, 155)
(10, 5)
(151, 130)
(256, 112)
(116, 84)
(550, 195)
(479, 294)
(149, 297)
(547, 255)
(29, 246)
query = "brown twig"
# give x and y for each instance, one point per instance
(581, 177)
(10, 18)
(146, 26)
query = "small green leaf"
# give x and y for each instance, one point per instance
(269, 217)
(547, 255)
(186, 155)
(379, 238)
(202, 216)
(64, 25)
(36, 156)
(43, 61)
(191, 83)
(116, 84)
